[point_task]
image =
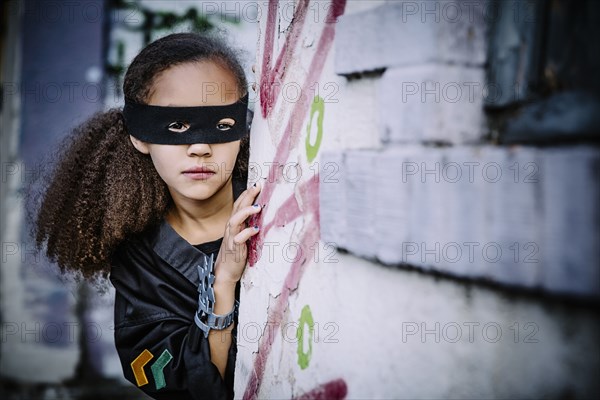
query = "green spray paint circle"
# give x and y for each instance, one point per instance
(305, 318)
(318, 105)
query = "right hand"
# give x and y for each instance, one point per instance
(233, 253)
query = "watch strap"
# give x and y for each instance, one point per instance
(205, 318)
(207, 321)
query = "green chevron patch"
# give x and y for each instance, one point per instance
(158, 367)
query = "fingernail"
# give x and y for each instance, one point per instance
(256, 205)
(255, 227)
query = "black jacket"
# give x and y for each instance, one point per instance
(161, 349)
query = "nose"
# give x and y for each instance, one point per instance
(199, 149)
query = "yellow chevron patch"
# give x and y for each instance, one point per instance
(137, 366)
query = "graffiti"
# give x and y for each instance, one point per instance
(270, 86)
(318, 106)
(333, 390)
(305, 319)
(306, 191)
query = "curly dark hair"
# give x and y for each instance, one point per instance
(101, 190)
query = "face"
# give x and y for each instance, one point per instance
(187, 85)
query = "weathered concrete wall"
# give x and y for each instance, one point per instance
(387, 210)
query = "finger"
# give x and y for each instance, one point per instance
(239, 217)
(241, 197)
(247, 197)
(244, 235)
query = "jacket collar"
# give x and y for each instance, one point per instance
(178, 252)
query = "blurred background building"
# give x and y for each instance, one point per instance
(432, 227)
(62, 62)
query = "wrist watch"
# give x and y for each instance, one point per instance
(207, 321)
(205, 317)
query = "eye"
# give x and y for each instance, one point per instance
(225, 124)
(178, 126)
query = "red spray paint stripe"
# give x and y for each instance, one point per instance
(268, 91)
(333, 390)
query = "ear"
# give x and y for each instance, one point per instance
(141, 146)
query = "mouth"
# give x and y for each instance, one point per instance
(198, 173)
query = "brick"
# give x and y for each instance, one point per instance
(514, 209)
(571, 231)
(394, 203)
(356, 115)
(466, 210)
(360, 195)
(431, 103)
(358, 6)
(332, 197)
(449, 205)
(429, 221)
(411, 213)
(402, 33)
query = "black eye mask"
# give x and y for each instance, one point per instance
(187, 125)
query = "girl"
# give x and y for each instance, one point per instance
(154, 197)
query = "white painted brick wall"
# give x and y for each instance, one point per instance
(515, 215)
(384, 360)
(571, 235)
(357, 114)
(361, 195)
(394, 203)
(401, 33)
(373, 213)
(508, 218)
(332, 198)
(358, 6)
(429, 221)
(468, 209)
(431, 102)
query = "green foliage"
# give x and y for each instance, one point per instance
(151, 21)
